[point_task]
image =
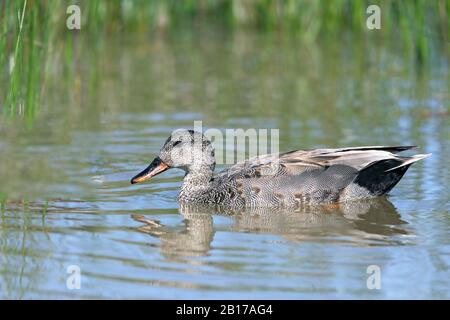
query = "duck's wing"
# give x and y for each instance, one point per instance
(324, 173)
(251, 167)
(358, 158)
(395, 149)
(298, 161)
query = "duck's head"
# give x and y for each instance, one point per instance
(185, 149)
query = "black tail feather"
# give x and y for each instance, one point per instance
(377, 179)
(394, 149)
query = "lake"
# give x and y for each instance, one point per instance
(106, 111)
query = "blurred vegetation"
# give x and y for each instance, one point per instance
(31, 31)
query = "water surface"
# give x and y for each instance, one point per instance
(105, 114)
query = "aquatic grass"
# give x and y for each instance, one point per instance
(3, 31)
(44, 212)
(2, 206)
(24, 70)
(14, 62)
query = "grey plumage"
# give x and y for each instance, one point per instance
(290, 179)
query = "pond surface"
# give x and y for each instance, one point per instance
(67, 200)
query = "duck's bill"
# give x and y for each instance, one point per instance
(156, 167)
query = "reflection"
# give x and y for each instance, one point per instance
(194, 238)
(363, 223)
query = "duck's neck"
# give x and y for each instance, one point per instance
(197, 178)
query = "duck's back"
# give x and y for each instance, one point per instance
(312, 176)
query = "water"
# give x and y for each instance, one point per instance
(105, 114)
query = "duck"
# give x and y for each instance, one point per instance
(288, 179)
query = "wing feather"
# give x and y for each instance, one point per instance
(298, 161)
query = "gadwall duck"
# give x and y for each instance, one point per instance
(290, 179)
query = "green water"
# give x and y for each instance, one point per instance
(108, 107)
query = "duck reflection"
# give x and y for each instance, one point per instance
(193, 239)
(364, 223)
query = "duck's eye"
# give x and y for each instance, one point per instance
(176, 143)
